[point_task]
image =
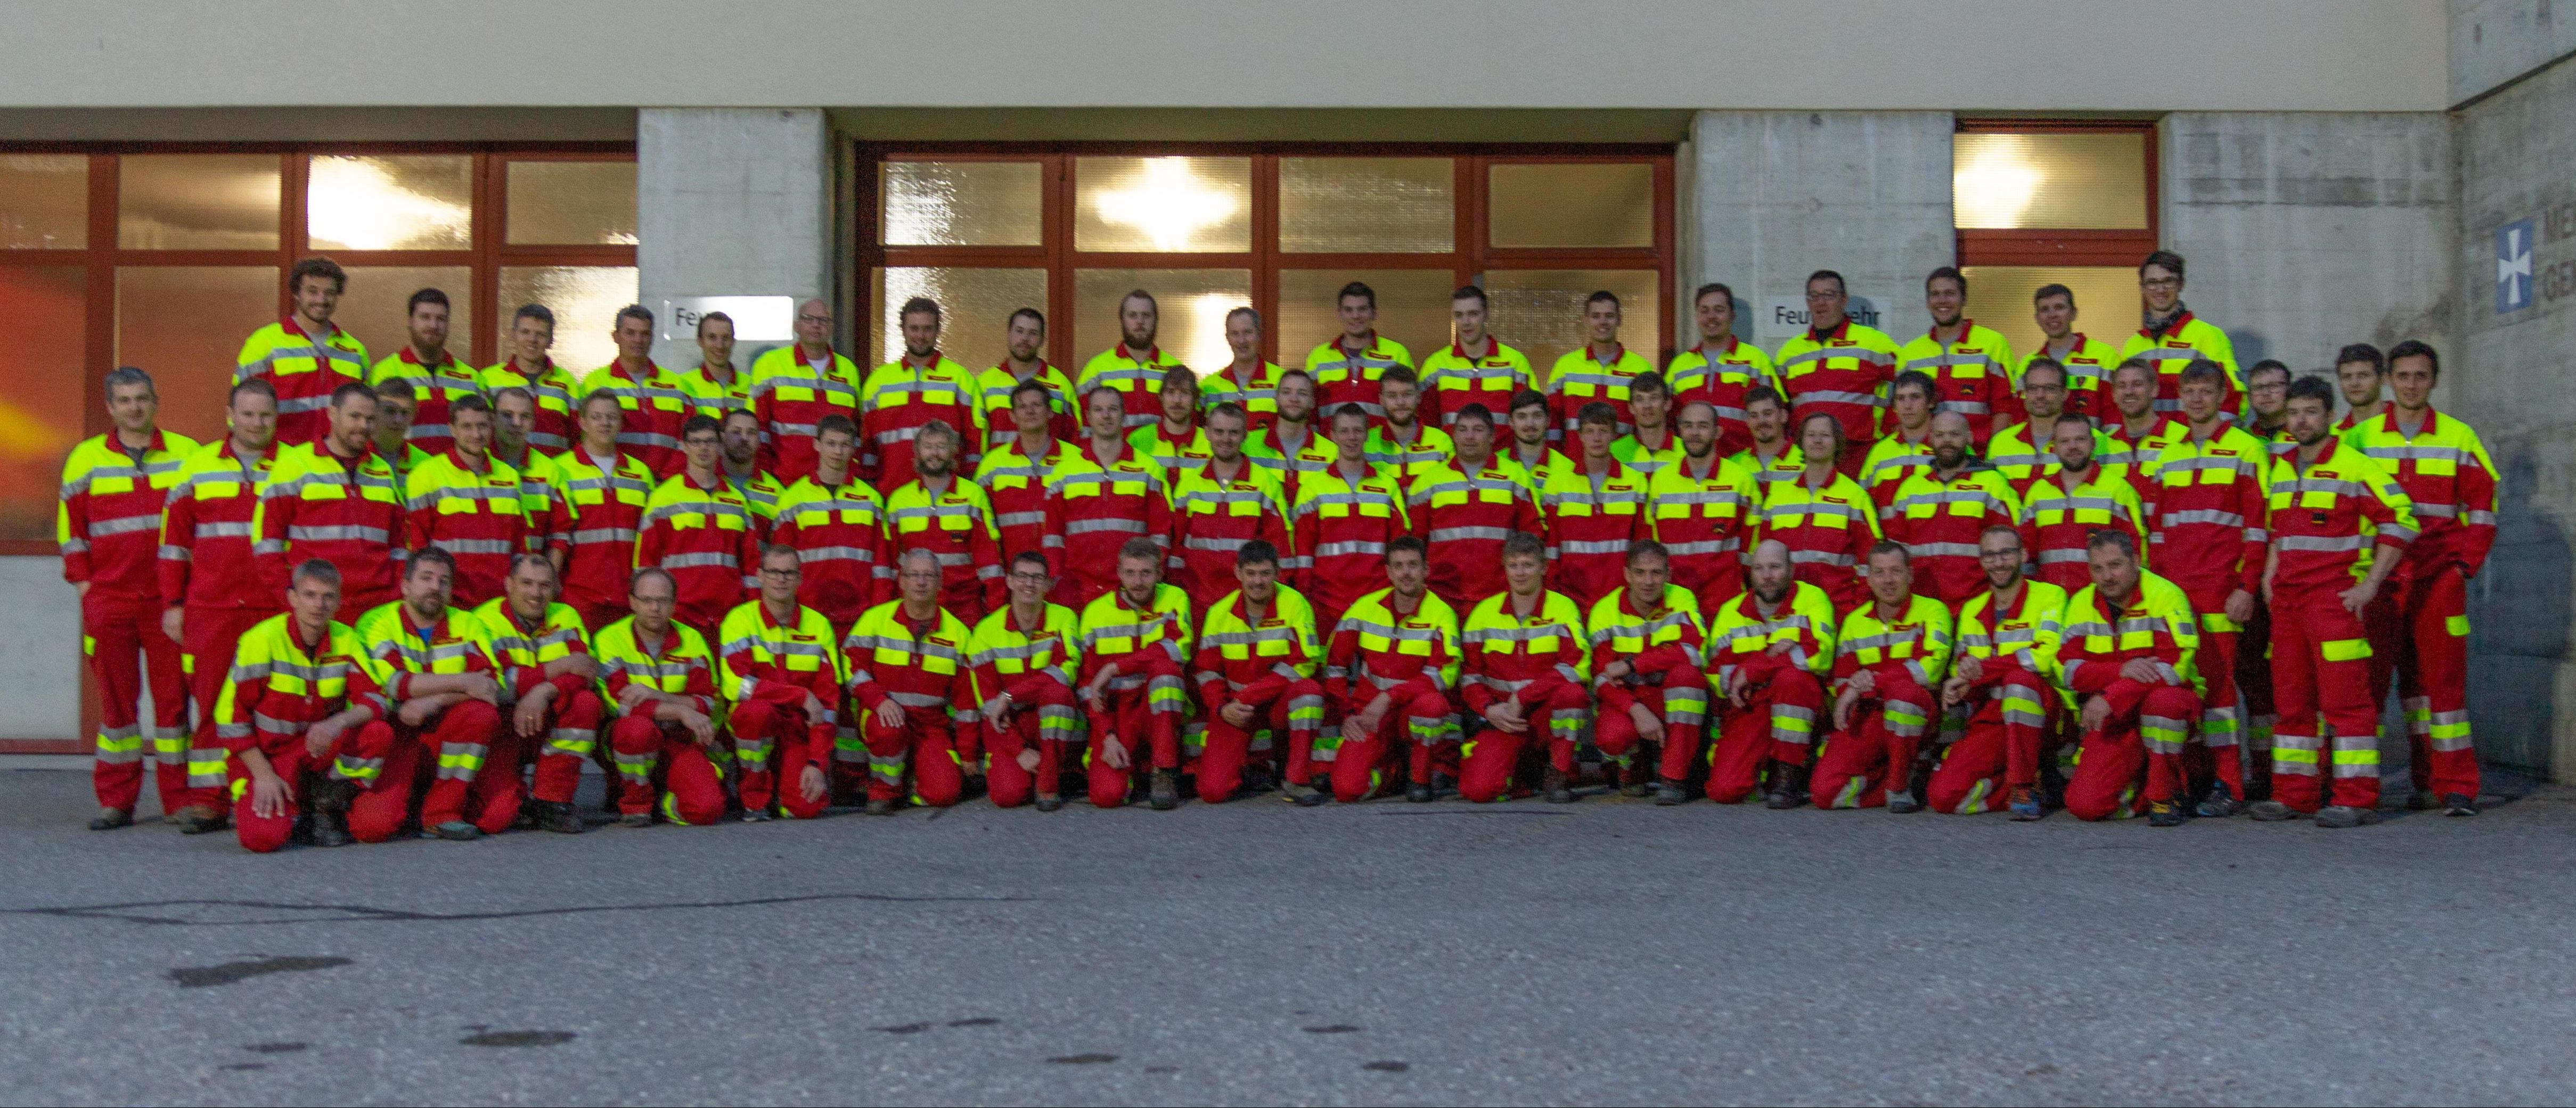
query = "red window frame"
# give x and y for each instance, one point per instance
(2063, 246)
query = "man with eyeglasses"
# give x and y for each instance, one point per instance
(782, 670)
(2021, 452)
(2267, 397)
(2001, 677)
(2172, 338)
(1024, 656)
(794, 386)
(1839, 368)
(698, 528)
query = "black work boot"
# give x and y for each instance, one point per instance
(2459, 804)
(109, 819)
(558, 818)
(1166, 794)
(1556, 788)
(1669, 792)
(330, 829)
(1303, 794)
(2220, 804)
(1418, 792)
(1788, 788)
(1048, 802)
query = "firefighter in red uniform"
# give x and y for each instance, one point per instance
(2003, 678)
(2060, 514)
(1250, 381)
(1971, 366)
(471, 505)
(1391, 670)
(2205, 514)
(900, 397)
(942, 512)
(109, 526)
(1939, 512)
(336, 500)
(1255, 670)
(1528, 675)
(914, 690)
(2021, 452)
(1014, 471)
(1475, 368)
(2340, 526)
(1822, 516)
(437, 376)
(1135, 639)
(1221, 506)
(1594, 508)
(1838, 368)
(303, 723)
(1650, 671)
(2127, 652)
(781, 669)
(2138, 430)
(2446, 473)
(998, 388)
(599, 508)
(794, 386)
(1773, 647)
(1888, 657)
(1347, 368)
(654, 400)
(837, 525)
(1722, 370)
(440, 683)
(1464, 510)
(1596, 373)
(1098, 500)
(1702, 507)
(306, 357)
(1177, 442)
(661, 678)
(210, 588)
(1346, 514)
(699, 530)
(1024, 655)
(549, 686)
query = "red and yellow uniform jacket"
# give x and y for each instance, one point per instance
(1003, 654)
(1465, 517)
(2025, 461)
(1254, 661)
(1259, 395)
(1503, 651)
(1345, 376)
(1589, 526)
(1316, 454)
(1375, 649)
(956, 525)
(2173, 348)
(1917, 642)
(763, 659)
(2328, 516)
(917, 663)
(2449, 481)
(1212, 519)
(304, 370)
(1451, 380)
(521, 650)
(475, 513)
(899, 398)
(1669, 639)
(206, 558)
(1892, 460)
(400, 648)
(317, 505)
(1177, 452)
(1721, 377)
(705, 537)
(2088, 363)
(108, 521)
(993, 389)
(1828, 532)
(2133, 454)
(791, 391)
(2095, 643)
(1115, 632)
(1093, 509)
(1578, 379)
(1972, 375)
(1843, 373)
(598, 514)
(279, 686)
(681, 664)
(2205, 517)
(2057, 521)
(1702, 519)
(1939, 520)
(2025, 636)
(656, 404)
(1741, 637)
(1136, 376)
(1427, 447)
(552, 385)
(839, 535)
(1017, 486)
(1341, 530)
(435, 387)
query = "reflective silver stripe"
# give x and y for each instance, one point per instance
(478, 546)
(589, 535)
(1467, 534)
(1341, 549)
(837, 554)
(124, 525)
(1089, 526)
(2436, 511)
(1020, 519)
(329, 534)
(2322, 544)
(2060, 557)
(223, 530)
(1941, 549)
(1815, 557)
(2202, 515)
(1835, 396)
(689, 561)
(1612, 546)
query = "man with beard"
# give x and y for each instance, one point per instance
(1773, 647)
(2059, 515)
(1134, 641)
(2003, 676)
(2021, 452)
(952, 518)
(1888, 657)
(1702, 506)
(1528, 673)
(1971, 366)
(1256, 669)
(2127, 650)
(1391, 668)
(900, 397)
(1023, 336)
(1649, 668)
(1220, 507)
(1940, 511)
(1465, 508)
(1106, 495)
(1135, 367)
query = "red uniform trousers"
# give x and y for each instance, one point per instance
(1044, 718)
(661, 758)
(2419, 629)
(209, 639)
(2254, 695)
(930, 740)
(1144, 717)
(474, 757)
(1415, 710)
(1295, 710)
(1678, 695)
(2321, 675)
(572, 734)
(370, 742)
(773, 743)
(1859, 767)
(122, 637)
(2143, 735)
(1555, 709)
(1776, 724)
(1999, 751)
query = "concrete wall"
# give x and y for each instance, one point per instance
(1781, 194)
(731, 202)
(2496, 41)
(2306, 231)
(40, 659)
(2226, 55)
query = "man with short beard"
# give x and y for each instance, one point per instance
(436, 376)
(2001, 676)
(1135, 367)
(951, 517)
(1134, 641)
(469, 504)
(2127, 650)
(1773, 648)
(1024, 656)
(1391, 667)
(1256, 670)
(1940, 511)
(1014, 471)
(2021, 452)
(2060, 514)
(1722, 370)
(1888, 657)
(1295, 444)
(1466, 508)
(901, 396)
(1527, 664)
(1769, 454)
(1220, 507)
(438, 680)
(1702, 506)
(1402, 441)
(306, 356)
(1023, 338)
(1177, 442)
(739, 433)
(549, 685)
(2138, 430)
(1649, 667)
(1971, 366)
(335, 499)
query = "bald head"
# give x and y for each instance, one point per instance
(1769, 565)
(814, 324)
(1950, 440)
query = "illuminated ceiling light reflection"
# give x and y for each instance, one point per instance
(1167, 203)
(1201, 330)
(357, 204)
(1995, 186)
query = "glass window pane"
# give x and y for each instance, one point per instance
(44, 201)
(1541, 310)
(975, 307)
(197, 201)
(2106, 300)
(1190, 302)
(376, 306)
(572, 203)
(585, 299)
(1194, 205)
(42, 398)
(1368, 205)
(184, 325)
(1412, 308)
(1572, 205)
(391, 203)
(2087, 181)
(962, 203)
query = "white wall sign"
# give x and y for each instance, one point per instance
(1785, 317)
(756, 319)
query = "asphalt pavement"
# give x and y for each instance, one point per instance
(1603, 952)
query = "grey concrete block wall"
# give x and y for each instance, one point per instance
(732, 201)
(2511, 378)
(1781, 194)
(2495, 41)
(2306, 231)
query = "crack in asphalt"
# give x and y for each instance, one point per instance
(140, 912)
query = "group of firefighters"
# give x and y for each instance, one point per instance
(2111, 575)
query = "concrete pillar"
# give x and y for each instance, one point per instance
(731, 202)
(2306, 230)
(1777, 195)
(2516, 320)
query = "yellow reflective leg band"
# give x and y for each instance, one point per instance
(2346, 650)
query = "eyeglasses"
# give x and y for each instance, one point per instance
(822, 319)
(766, 571)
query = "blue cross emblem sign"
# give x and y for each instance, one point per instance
(2513, 266)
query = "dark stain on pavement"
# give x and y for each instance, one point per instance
(198, 977)
(517, 1038)
(1083, 1059)
(244, 1066)
(905, 1029)
(1331, 1029)
(273, 1048)
(174, 913)
(1387, 1067)
(974, 1021)
(1162, 1069)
